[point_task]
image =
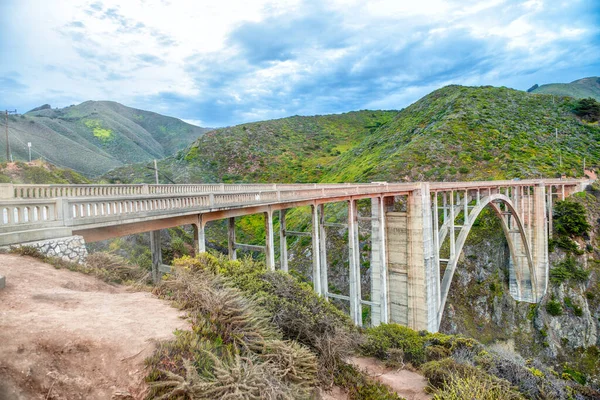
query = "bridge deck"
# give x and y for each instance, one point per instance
(35, 212)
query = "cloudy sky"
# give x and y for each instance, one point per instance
(224, 62)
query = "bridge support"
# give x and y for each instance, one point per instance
(231, 239)
(323, 251)
(379, 279)
(283, 257)
(270, 242)
(156, 255)
(408, 240)
(199, 236)
(354, 264)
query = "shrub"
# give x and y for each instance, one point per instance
(392, 336)
(472, 387)
(362, 387)
(566, 270)
(570, 218)
(588, 109)
(293, 307)
(554, 308)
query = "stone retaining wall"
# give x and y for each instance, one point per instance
(71, 248)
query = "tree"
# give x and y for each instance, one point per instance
(588, 109)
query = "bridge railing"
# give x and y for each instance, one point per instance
(32, 191)
(39, 204)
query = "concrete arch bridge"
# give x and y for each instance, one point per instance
(409, 222)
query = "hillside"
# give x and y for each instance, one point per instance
(294, 149)
(38, 172)
(96, 136)
(579, 89)
(454, 133)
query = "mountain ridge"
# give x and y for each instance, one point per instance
(96, 136)
(578, 89)
(454, 133)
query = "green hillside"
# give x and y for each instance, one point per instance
(454, 133)
(294, 149)
(579, 89)
(96, 136)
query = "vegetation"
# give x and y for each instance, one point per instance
(570, 218)
(454, 133)
(95, 136)
(579, 89)
(256, 332)
(568, 269)
(38, 172)
(588, 109)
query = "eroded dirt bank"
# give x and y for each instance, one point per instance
(66, 335)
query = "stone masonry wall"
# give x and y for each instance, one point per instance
(71, 248)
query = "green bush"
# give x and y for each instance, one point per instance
(568, 269)
(393, 336)
(570, 218)
(554, 308)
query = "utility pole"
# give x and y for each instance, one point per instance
(29, 147)
(8, 156)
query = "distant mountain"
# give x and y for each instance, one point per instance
(96, 136)
(579, 89)
(454, 133)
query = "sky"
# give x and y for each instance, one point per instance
(225, 62)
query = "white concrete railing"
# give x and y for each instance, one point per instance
(31, 191)
(79, 204)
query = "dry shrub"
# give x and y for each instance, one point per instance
(293, 362)
(218, 310)
(459, 387)
(240, 378)
(113, 268)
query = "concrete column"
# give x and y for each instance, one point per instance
(199, 236)
(283, 257)
(270, 243)
(422, 301)
(156, 255)
(323, 251)
(436, 246)
(354, 264)
(540, 241)
(316, 271)
(231, 239)
(550, 212)
(379, 277)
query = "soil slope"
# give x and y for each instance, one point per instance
(66, 335)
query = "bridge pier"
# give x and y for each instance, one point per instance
(283, 254)
(199, 236)
(354, 264)
(232, 251)
(270, 242)
(323, 251)
(156, 255)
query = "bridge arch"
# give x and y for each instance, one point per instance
(511, 223)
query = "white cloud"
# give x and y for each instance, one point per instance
(188, 58)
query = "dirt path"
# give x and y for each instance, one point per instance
(66, 335)
(407, 384)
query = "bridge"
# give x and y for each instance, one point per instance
(418, 230)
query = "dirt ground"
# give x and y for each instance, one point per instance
(407, 384)
(66, 335)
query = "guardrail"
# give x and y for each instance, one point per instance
(81, 204)
(31, 191)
